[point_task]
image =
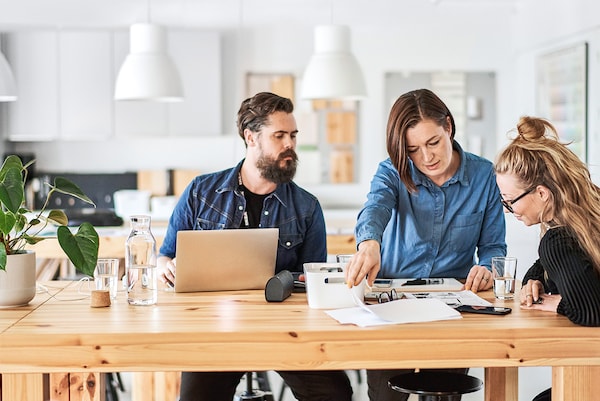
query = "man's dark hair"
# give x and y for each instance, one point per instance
(255, 111)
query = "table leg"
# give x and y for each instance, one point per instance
(573, 383)
(23, 386)
(501, 384)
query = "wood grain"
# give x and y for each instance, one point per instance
(239, 330)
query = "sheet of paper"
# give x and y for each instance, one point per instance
(453, 299)
(395, 312)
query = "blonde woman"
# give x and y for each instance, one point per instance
(543, 182)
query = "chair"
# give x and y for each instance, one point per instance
(263, 393)
(435, 385)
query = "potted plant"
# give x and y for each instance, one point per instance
(20, 227)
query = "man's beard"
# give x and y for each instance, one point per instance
(270, 168)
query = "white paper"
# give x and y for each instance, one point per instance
(453, 299)
(395, 312)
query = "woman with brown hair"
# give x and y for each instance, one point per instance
(433, 210)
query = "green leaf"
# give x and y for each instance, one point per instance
(12, 189)
(70, 188)
(81, 248)
(2, 258)
(32, 240)
(59, 217)
(11, 161)
(7, 222)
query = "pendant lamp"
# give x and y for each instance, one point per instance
(8, 87)
(147, 72)
(333, 72)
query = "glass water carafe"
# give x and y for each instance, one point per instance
(140, 263)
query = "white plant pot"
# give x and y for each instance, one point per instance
(17, 282)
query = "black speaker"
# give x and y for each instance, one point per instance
(279, 287)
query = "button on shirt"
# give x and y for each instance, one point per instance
(438, 231)
(214, 202)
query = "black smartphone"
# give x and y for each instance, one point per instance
(488, 310)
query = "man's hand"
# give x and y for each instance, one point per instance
(166, 270)
(479, 279)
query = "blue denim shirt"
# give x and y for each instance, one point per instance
(213, 202)
(436, 231)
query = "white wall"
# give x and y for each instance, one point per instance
(420, 37)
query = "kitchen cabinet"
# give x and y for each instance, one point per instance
(197, 56)
(33, 56)
(66, 81)
(85, 84)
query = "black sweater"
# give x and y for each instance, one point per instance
(570, 273)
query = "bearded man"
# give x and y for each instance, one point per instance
(257, 193)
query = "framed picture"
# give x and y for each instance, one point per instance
(561, 94)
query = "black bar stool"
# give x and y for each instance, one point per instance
(263, 393)
(435, 385)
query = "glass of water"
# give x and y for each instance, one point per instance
(504, 270)
(106, 276)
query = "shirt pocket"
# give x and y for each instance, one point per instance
(290, 241)
(203, 224)
(464, 233)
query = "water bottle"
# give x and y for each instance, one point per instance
(140, 263)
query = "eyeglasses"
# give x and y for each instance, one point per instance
(508, 203)
(382, 297)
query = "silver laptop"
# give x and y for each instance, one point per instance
(224, 260)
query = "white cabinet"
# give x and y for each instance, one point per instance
(66, 85)
(197, 56)
(85, 84)
(33, 57)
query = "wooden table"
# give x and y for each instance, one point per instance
(241, 331)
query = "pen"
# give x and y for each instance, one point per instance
(424, 281)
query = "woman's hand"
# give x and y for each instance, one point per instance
(479, 279)
(166, 270)
(532, 297)
(365, 263)
(531, 292)
(546, 302)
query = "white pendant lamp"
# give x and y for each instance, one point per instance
(147, 72)
(333, 72)
(8, 87)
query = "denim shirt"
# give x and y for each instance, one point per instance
(436, 231)
(214, 202)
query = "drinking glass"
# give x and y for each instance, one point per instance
(504, 270)
(106, 276)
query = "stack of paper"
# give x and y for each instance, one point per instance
(400, 311)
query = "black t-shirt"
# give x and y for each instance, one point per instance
(254, 205)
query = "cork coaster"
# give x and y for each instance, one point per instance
(100, 298)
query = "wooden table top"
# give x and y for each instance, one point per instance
(240, 330)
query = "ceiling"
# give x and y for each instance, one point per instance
(229, 14)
